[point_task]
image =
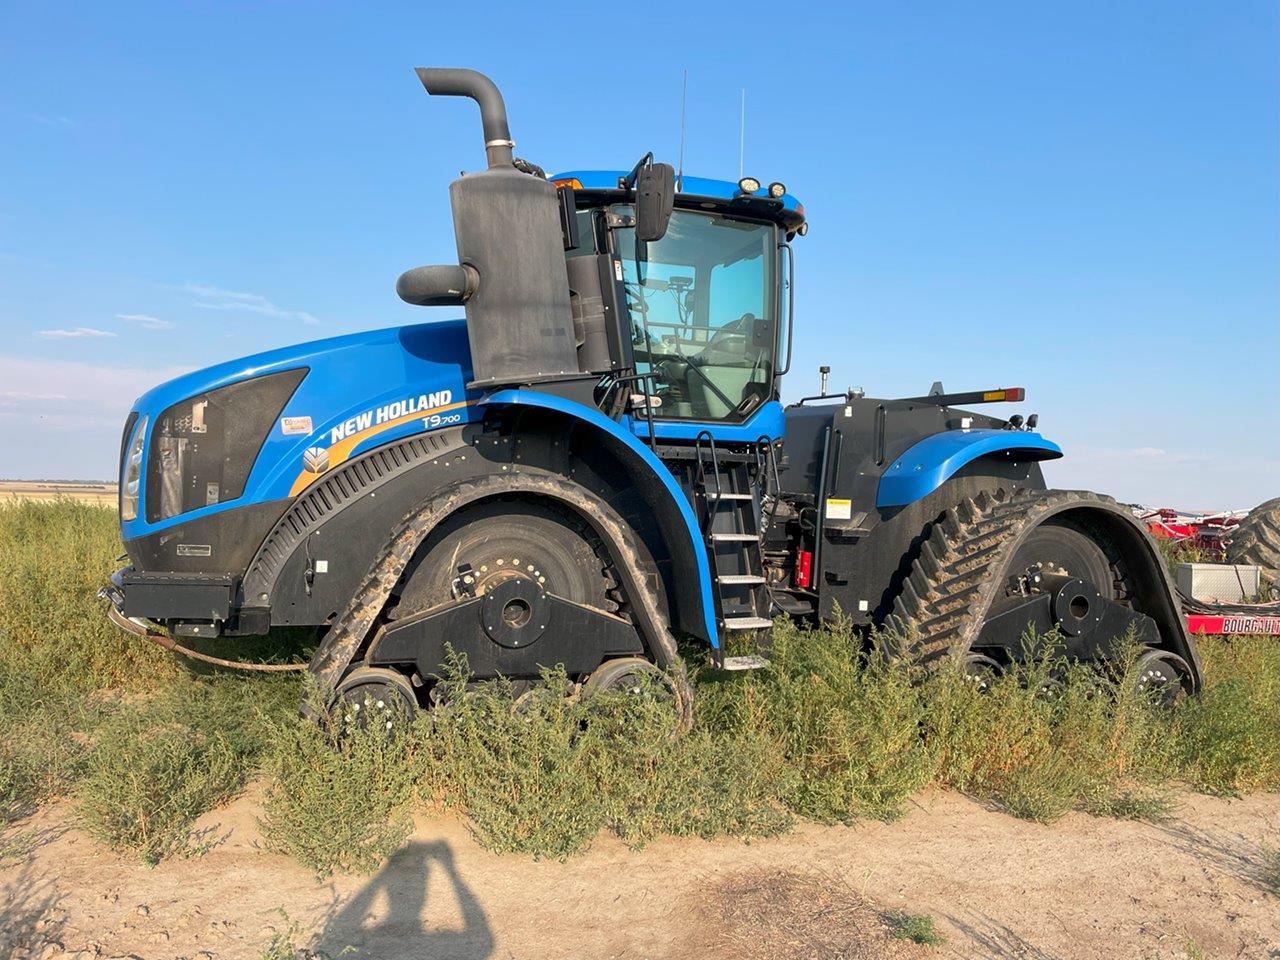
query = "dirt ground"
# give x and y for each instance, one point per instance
(995, 886)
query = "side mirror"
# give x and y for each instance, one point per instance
(655, 199)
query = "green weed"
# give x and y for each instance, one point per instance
(337, 797)
(828, 731)
(916, 927)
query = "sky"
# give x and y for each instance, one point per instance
(1078, 198)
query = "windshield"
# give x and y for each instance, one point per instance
(703, 304)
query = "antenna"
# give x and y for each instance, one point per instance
(684, 96)
(742, 132)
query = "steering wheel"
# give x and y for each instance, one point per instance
(731, 332)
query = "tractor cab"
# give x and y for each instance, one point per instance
(704, 303)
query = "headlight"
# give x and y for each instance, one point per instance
(131, 472)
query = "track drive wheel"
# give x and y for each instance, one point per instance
(637, 677)
(498, 540)
(376, 697)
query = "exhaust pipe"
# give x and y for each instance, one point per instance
(457, 82)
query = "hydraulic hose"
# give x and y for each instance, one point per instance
(168, 643)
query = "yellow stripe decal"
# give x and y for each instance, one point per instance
(340, 452)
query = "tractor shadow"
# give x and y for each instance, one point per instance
(996, 940)
(30, 918)
(1231, 853)
(394, 917)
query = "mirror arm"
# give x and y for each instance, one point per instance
(629, 182)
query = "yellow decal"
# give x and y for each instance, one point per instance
(341, 451)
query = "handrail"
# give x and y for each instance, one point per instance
(715, 465)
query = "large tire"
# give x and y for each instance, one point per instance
(1257, 539)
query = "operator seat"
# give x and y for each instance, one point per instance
(736, 362)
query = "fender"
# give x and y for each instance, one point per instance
(652, 470)
(351, 628)
(928, 464)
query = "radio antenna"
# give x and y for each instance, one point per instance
(742, 132)
(684, 96)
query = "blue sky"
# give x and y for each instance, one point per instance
(1079, 198)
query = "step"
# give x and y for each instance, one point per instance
(712, 495)
(747, 623)
(734, 537)
(741, 579)
(744, 663)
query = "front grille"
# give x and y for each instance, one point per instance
(203, 448)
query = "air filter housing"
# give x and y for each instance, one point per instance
(519, 321)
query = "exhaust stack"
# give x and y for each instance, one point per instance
(511, 275)
(457, 82)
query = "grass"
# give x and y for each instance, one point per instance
(826, 733)
(916, 927)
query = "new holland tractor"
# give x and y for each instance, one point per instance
(596, 462)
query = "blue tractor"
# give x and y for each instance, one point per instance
(596, 462)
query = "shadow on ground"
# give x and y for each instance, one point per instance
(29, 914)
(1231, 852)
(996, 940)
(393, 918)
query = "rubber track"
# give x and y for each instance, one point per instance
(962, 567)
(1257, 539)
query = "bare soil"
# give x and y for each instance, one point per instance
(995, 886)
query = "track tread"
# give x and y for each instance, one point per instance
(961, 566)
(1256, 539)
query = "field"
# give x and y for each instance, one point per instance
(833, 805)
(99, 494)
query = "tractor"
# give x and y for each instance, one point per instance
(596, 464)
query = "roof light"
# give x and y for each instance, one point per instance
(748, 185)
(777, 190)
(573, 183)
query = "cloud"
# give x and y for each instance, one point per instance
(215, 298)
(62, 394)
(53, 121)
(78, 333)
(62, 418)
(1210, 478)
(142, 320)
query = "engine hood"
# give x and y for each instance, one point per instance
(359, 390)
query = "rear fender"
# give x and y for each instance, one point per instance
(927, 465)
(1125, 539)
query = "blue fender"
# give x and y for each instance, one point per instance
(928, 464)
(595, 418)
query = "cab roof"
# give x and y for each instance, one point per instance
(693, 192)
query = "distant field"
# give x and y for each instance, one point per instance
(99, 494)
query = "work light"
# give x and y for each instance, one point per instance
(777, 190)
(748, 184)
